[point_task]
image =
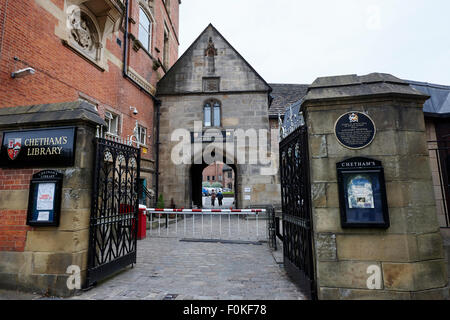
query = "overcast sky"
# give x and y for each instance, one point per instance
(296, 41)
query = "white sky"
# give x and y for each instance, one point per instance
(296, 41)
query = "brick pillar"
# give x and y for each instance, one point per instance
(409, 253)
(36, 258)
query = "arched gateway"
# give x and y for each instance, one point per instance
(214, 107)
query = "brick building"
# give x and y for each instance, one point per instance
(78, 52)
(90, 60)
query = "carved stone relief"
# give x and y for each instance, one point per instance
(84, 34)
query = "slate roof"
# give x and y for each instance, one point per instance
(439, 103)
(284, 95)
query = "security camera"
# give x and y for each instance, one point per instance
(135, 111)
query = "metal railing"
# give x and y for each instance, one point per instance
(147, 197)
(274, 228)
(211, 224)
(440, 166)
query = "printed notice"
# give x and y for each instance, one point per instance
(360, 193)
(247, 190)
(45, 196)
(248, 198)
(43, 216)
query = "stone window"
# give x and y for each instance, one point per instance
(112, 123)
(212, 114)
(145, 30)
(142, 135)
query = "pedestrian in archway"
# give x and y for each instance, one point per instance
(213, 197)
(220, 198)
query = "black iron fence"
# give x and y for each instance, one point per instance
(297, 222)
(440, 167)
(113, 221)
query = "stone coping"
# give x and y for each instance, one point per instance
(64, 112)
(354, 86)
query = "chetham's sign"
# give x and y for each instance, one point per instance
(38, 147)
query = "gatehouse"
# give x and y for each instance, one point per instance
(347, 178)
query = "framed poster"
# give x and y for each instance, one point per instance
(44, 202)
(362, 194)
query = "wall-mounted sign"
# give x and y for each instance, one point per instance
(355, 130)
(38, 147)
(247, 189)
(362, 193)
(44, 202)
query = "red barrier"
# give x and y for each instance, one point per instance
(142, 223)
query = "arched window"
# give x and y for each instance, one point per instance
(145, 30)
(212, 114)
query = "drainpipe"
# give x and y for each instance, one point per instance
(158, 116)
(157, 102)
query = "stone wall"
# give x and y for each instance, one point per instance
(409, 253)
(36, 258)
(239, 111)
(244, 98)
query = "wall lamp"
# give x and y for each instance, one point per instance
(23, 73)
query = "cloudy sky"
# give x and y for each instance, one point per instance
(296, 41)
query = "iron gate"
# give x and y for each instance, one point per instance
(297, 222)
(114, 212)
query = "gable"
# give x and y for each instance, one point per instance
(211, 64)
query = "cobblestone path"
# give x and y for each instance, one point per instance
(167, 267)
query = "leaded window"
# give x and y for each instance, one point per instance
(212, 114)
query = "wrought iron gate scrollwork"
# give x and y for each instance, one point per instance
(297, 222)
(114, 212)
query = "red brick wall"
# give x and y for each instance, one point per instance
(13, 228)
(62, 75)
(213, 170)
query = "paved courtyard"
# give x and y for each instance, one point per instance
(169, 268)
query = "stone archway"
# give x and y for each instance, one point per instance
(195, 183)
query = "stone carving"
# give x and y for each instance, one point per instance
(80, 31)
(210, 53)
(83, 33)
(211, 50)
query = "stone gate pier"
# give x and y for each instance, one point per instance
(38, 258)
(405, 258)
